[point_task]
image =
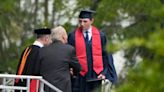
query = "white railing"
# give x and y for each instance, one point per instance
(7, 84)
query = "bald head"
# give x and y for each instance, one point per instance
(59, 33)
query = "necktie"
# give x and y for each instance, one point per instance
(86, 36)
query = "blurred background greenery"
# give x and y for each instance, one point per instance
(135, 27)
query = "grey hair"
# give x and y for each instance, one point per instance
(57, 32)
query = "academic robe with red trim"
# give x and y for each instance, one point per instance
(79, 83)
(28, 68)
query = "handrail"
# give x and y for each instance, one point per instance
(9, 87)
(50, 85)
(20, 76)
(40, 78)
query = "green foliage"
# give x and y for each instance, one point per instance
(14, 26)
(59, 5)
(156, 42)
(146, 77)
(143, 38)
(84, 4)
(7, 5)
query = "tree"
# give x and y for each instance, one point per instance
(16, 28)
(18, 20)
(8, 34)
(146, 76)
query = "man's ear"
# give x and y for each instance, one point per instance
(63, 37)
(92, 20)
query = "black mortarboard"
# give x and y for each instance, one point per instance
(86, 14)
(42, 31)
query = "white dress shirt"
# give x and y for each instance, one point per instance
(37, 43)
(89, 33)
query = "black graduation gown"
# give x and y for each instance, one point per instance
(112, 75)
(29, 64)
(80, 83)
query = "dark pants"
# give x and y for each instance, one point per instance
(80, 84)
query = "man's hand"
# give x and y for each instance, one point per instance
(101, 76)
(71, 71)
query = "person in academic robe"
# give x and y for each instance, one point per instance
(112, 74)
(28, 58)
(90, 45)
(55, 61)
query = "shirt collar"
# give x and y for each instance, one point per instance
(90, 30)
(37, 43)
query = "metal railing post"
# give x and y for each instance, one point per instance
(41, 88)
(40, 83)
(37, 85)
(28, 85)
(4, 83)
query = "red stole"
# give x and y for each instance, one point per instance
(96, 50)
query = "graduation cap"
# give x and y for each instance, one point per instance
(42, 31)
(86, 14)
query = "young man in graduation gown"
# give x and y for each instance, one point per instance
(28, 58)
(56, 59)
(90, 44)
